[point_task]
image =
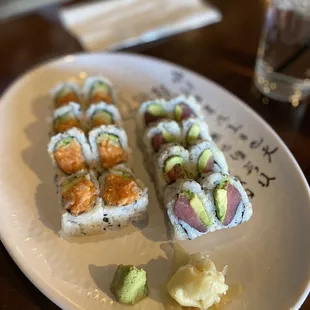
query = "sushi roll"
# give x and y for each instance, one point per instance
(102, 114)
(228, 197)
(188, 210)
(193, 130)
(205, 157)
(80, 203)
(151, 112)
(96, 89)
(171, 165)
(67, 117)
(124, 198)
(109, 146)
(182, 107)
(160, 133)
(70, 151)
(64, 93)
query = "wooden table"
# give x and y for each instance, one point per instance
(224, 52)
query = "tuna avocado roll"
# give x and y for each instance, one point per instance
(181, 108)
(124, 197)
(64, 93)
(67, 117)
(109, 146)
(102, 114)
(70, 151)
(171, 165)
(205, 157)
(226, 194)
(96, 89)
(160, 133)
(188, 210)
(193, 130)
(81, 208)
(151, 112)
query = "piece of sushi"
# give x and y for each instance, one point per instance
(160, 133)
(193, 130)
(171, 165)
(66, 117)
(188, 210)
(102, 113)
(70, 151)
(229, 199)
(205, 157)
(81, 206)
(109, 146)
(182, 107)
(124, 198)
(96, 89)
(151, 112)
(63, 93)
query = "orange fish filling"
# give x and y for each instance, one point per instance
(101, 96)
(61, 126)
(111, 153)
(63, 100)
(80, 197)
(119, 190)
(70, 158)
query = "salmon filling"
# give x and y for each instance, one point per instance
(120, 190)
(80, 197)
(66, 98)
(70, 158)
(63, 125)
(110, 153)
(97, 96)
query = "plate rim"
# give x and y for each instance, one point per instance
(44, 286)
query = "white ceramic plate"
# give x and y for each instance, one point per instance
(269, 256)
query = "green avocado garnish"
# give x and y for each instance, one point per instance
(172, 161)
(168, 136)
(124, 174)
(129, 284)
(67, 185)
(64, 91)
(178, 112)
(193, 133)
(108, 136)
(156, 109)
(63, 142)
(203, 160)
(100, 87)
(220, 200)
(103, 117)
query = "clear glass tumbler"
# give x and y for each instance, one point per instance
(282, 69)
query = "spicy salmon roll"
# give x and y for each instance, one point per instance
(162, 132)
(188, 210)
(66, 92)
(102, 114)
(80, 203)
(109, 146)
(171, 165)
(151, 112)
(227, 196)
(67, 117)
(96, 89)
(193, 130)
(205, 157)
(182, 107)
(70, 151)
(124, 198)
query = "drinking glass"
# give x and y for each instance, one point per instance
(282, 70)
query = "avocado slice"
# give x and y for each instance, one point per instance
(129, 284)
(203, 160)
(193, 133)
(124, 174)
(200, 210)
(108, 136)
(168, 136)
(63, 142)
(100, 87)
(178, 112)
(64, 91)
(103, 116)
(156, 109)
(220, 200)
(67, 185)
(172, 161)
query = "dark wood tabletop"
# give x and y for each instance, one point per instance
(224, 52)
